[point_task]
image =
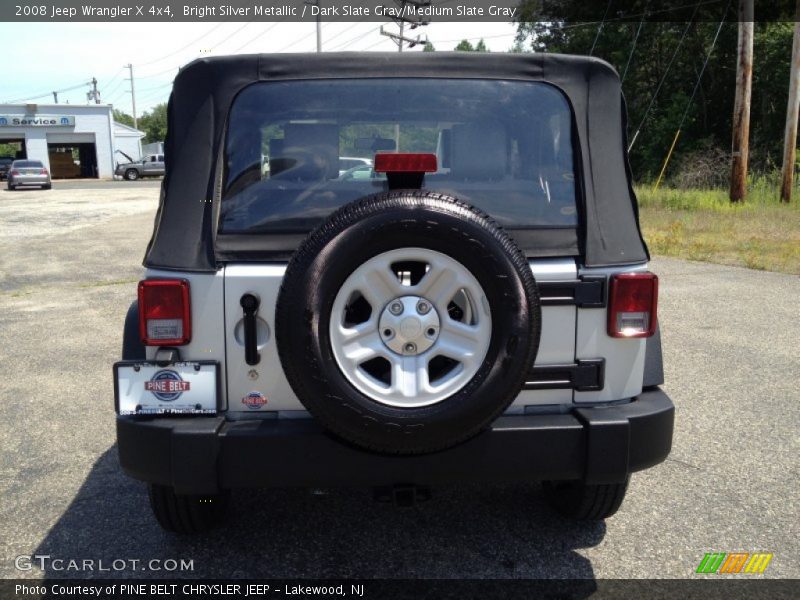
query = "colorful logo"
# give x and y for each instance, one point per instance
(734, 562)
(255, 400)
(167, 385)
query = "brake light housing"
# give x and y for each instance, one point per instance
(632, 305)
(409, 162)
(164, 312)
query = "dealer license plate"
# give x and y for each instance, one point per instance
(144, 388)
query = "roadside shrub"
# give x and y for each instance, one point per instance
(707, 167)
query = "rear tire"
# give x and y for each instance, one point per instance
(11, 188)
(584, 502)
(186, 513)
(427, 233)
(131, 174)
(47, 187)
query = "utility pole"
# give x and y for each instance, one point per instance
(790, 136)
(93, 94)
(413, 22)
(741, 111)
(133, 95)
(55, 97)
(319, 22)
(400, 39)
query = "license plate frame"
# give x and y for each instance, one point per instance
(170, 395)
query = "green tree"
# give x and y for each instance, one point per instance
(466, 46)
(124, 118)
(154, 124)
(9, 150)
(428, 47)
(518, 48)
(645, 60)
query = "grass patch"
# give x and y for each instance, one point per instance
(760, 233)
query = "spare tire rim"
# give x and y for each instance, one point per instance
(410, 327)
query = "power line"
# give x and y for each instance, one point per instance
(182, 48)
(347, 43)
(691, 99)
(663, 79)
(380, 41)
(600, 28)
(109, 81)
(633, 46)
(155, 87)
(217, 44)
(632, 16)
(48, 94)
(164, 72)
(226, 38)
(481, 37)
(302, 39)
(343, 31)
(705, 64)
(258, 36)
(110, 92)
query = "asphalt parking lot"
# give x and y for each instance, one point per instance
(69, 262)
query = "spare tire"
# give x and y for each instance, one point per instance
(407, 322)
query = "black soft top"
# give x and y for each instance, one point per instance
(186, 222)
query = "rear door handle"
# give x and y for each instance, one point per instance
(249, 304)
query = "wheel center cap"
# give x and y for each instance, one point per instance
(410, 328)
(409, 325)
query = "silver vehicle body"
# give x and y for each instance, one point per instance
(569, 334)
(28, 173)
(151, 165)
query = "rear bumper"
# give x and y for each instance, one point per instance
(30, 180)
(205, 454)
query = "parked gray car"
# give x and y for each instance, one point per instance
(151, 165)
(28, 172)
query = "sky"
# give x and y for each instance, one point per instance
(57, 56)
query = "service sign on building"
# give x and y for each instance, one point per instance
(37, 121)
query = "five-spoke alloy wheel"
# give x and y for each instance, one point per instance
(421, 341)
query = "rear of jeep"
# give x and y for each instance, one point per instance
(476, 307)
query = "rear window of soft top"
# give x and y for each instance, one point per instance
(503, 146)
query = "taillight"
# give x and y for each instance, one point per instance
(164, 315)
(43, 172)
(632, 302)
(405, 163)
(15, 172)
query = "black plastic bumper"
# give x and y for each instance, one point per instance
(205, 454)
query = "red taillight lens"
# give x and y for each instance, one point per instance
(405, 163)
(43, 172)
(632, 302)
(164, 315)
(15, 172)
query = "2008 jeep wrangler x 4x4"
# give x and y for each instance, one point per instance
(477, 309)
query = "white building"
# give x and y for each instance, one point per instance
(71, 140)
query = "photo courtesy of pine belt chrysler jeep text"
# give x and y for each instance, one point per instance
(471, 303)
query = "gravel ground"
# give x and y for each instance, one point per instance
(69, 262)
